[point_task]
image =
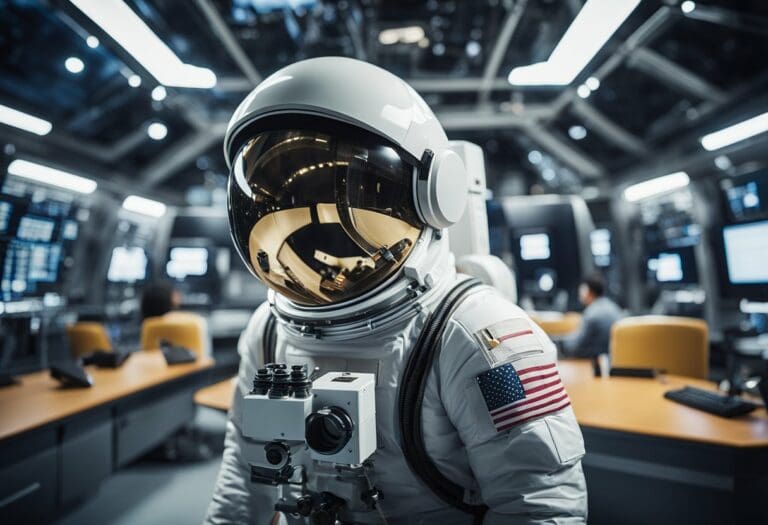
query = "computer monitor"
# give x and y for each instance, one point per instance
(184, 262)
(745, 248)
(669, 268)
(69, 229)
(32, 228)
(44, 262)
(600, 243)
(673, 266)
(535, 247)
(29, 269)
(547, 237)
(6, 211)
(127, 265)
(746, 196)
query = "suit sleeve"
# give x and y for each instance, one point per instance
(235, 498)
(528, 466)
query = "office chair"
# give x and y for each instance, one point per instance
(556, 325)
(179, 328)
(678, 345)
(87, 336)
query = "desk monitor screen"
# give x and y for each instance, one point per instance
(128, 264)
(669, 268)
(35, 229)
(69, 230)
(6, 210)
(673, 266)
(746, 246)
(600, 242)
(534, 247)
(44, 262)
(26, 264)
(187, 261)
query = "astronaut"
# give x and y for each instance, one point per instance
(342, 184)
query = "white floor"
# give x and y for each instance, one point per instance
(153, 492)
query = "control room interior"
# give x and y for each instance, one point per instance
(623, 142)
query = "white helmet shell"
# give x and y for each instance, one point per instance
(366, 96)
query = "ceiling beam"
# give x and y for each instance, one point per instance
(730, 18)
(580, 162)
(491, 70)
(479, 119)
(233, 47)
(608, 129)
(180, 155)
(668, 72)
(62, 155)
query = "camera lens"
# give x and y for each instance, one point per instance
(328, 430)
(276, 453)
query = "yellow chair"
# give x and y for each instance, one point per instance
(85, 337)
(556, 324)
(679, 345)
(178, 328)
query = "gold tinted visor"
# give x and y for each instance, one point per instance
(322, 218)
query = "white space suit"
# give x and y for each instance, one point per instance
(342, 182)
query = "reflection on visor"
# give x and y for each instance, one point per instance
(322, 218)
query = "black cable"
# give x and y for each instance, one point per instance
(411, 396)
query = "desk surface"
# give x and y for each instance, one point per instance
(638, 406)
(218, 395)
(619, 404)
(39, 399)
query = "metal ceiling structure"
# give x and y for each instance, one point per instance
(665, 76)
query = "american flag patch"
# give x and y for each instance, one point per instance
(516, 396)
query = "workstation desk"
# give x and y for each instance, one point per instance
(650, 460)
(57, 444)
(217, 396)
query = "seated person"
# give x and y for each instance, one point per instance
(594, 335)
(159, 298)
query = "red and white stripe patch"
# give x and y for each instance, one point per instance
(505, 341)
(544, 394)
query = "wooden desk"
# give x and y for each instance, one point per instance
(57, 444)
(649, 458)
(638, 406)
(40, 399)
(217, 396)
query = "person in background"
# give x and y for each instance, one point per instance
(159, 298)
(594, 335)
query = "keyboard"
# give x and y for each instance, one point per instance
(103, 359)
(712, 402)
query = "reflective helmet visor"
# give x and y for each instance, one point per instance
(322, 216)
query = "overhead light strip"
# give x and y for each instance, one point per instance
(127, 29)
(52, 176)
(657, 186)
(144, 206)
(597, 21)
(25, 121)
(736, 133)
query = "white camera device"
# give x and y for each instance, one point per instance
(335, 416)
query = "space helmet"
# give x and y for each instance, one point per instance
(337, 170)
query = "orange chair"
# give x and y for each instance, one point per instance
(679, 345)
(555, 324)
(85, 337)
(178, 328)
